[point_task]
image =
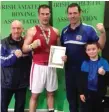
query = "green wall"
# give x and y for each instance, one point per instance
(26, 11)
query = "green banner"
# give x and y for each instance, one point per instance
(26, 11)
(92, 12)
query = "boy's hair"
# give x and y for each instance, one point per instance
(74, 5)
(43, 6)
(95, 43)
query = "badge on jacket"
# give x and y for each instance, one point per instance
(78, 37)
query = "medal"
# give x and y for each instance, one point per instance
(47, 38)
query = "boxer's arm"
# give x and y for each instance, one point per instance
(28, 40)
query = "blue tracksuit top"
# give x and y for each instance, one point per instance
(74, 41)
(14, 71)
(92, 68)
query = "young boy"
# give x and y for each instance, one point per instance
(92, 86)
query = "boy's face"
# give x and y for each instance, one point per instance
(92, 50)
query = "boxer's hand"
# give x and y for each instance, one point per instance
(35, 44)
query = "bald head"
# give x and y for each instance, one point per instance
(16, 29)
(17, 23)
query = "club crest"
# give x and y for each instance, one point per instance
(78, 37)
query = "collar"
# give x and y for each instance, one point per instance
(99, 57)
(76, 27)
(13, 42)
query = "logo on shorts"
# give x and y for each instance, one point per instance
(78, 37)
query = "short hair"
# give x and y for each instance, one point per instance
(74, 5)
(43, 6)
(92, 42)
(17, 22)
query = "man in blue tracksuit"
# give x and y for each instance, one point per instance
(74, 37)
(15, 68)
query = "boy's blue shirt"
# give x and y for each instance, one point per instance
(92, 68)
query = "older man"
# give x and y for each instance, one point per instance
(15, 67)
